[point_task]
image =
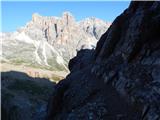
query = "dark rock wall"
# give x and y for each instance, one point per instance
(121, 78)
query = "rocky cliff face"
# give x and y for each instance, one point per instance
(121, 78)
(51, 41)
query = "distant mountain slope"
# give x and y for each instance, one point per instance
(49, 42)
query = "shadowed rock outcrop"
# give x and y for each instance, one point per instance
(121, 79)
(24, 97)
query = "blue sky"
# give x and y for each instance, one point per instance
(17, 14)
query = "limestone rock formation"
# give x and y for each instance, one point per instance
(121, 80)
(94, 26)
(50, 42)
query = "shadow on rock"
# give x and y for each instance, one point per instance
(24, 97)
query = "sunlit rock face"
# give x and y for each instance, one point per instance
(51, 41)
(65, 31)
(94, 26)
(120, 79)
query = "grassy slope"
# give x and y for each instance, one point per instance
(35, 72)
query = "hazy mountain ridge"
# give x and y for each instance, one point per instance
(49, 42)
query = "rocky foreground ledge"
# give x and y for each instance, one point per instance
(120, 80)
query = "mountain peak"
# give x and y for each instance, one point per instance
(67, 13)
(68, 17)
(50, 33)
(35, 16)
